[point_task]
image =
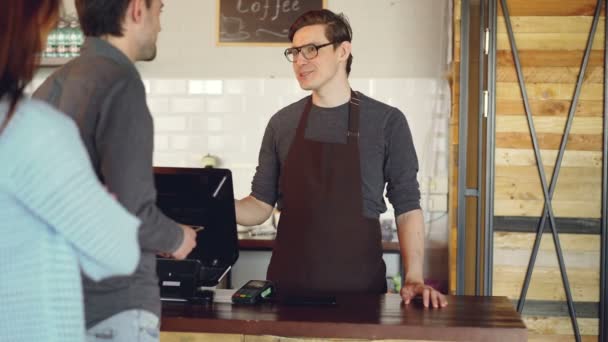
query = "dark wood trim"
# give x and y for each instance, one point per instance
(521, 224)
(547, 308)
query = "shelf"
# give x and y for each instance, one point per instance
(56, 61)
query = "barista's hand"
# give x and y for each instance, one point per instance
(187, 245)
(429, 294)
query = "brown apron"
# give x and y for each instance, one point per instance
(324, 243)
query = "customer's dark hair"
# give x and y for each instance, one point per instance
(101, 17)
(24, 26)
(337, 28)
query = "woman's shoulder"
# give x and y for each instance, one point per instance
(36, 125)
(41, 114)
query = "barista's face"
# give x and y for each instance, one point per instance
(315, 73)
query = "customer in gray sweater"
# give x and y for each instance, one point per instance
(103, 92)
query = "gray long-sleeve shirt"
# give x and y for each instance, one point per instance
(103, 92)
(387, 154)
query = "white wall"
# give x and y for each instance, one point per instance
(391, 38)
(218, 99)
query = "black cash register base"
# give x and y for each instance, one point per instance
(203, 198)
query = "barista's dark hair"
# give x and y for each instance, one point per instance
(337, 28)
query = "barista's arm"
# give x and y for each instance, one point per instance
(410, 227)
(251, 211)
(257, 207)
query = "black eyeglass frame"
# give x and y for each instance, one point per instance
(289, 51)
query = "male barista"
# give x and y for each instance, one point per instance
(325, 160)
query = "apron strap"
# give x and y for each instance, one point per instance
(353, 117)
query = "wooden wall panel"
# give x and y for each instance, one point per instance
(573, 208)
(525, 241)
(550, 41)
(549, 124)
(581, 257)
(549, 91)
(544, 58)
(549, 107)
(540, 74)
(559, 338)
(550, 8)
(550, 24)
(561, 326)
(545, 283)
(517, 157)
(551, 36)
(577, 142)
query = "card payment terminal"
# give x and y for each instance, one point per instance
(253, 292)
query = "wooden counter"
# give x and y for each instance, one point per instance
(367, 317)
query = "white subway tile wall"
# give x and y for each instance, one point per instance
(227, 118)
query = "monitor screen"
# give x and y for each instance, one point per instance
(202, 198)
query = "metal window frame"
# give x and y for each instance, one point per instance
(463, 190)
(490, 154)
(603, 328)
(462, 146)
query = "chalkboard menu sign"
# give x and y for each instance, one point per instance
(261, 22)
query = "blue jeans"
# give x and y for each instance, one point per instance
(127, 326)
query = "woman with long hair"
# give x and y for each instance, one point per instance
(56, 219)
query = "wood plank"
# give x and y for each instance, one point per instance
(550, 41)
(549, 8)
(523, 183)
(549, 124)
(550, 24)
(559, 338)
(508, 189)
(594, 74)
(198, 337)
(567, 175)
(561, 325)
(545, 258)
(547, 58)
(549, 141)
(533, 208)
(549, 107)
(549, 91)
(202, 337)
(529, 225)
(518, 254)
(546, 283)
(552, 308)
(569, 242)
(517, 157)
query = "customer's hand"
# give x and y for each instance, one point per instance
(187, 245)
(429, 295)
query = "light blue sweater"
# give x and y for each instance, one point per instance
(56, 219)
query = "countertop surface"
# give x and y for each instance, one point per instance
(355, 316)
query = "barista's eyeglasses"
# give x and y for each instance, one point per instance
(309, 51)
